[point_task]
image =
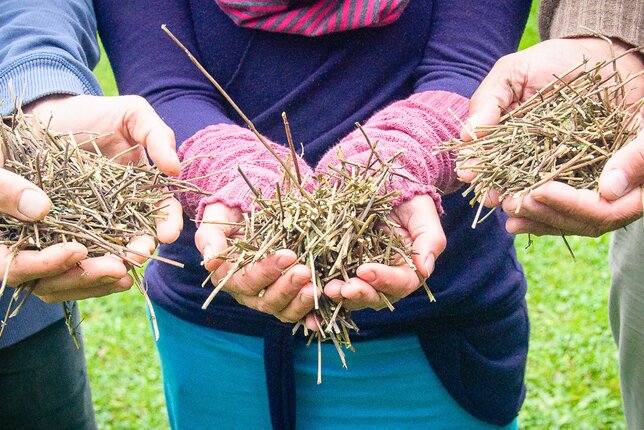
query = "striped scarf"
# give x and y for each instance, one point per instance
(312, 17)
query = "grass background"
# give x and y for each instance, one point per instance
(572, 367)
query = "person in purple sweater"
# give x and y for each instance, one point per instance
(405, 70)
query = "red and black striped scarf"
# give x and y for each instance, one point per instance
(312, 17)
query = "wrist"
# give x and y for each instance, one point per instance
(599, 49)
(44, 102)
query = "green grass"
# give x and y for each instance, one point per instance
(572, 368)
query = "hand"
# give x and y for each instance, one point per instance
(62, 272)
(557, 208)
(288, 295)
(553, 208)
(524, 73)
(421, 228)
(126, 121)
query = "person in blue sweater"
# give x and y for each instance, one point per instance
(456, 363)
(48, 50)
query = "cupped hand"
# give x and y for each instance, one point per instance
(63, 272)
(556, 208)
(273, 285)
(123, 122)
(421, 229)
(517, 77)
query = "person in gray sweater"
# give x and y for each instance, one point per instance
(47, 54)
(569, 29)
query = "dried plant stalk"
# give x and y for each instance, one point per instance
(565, 132)
(96, 201)
(342, 224)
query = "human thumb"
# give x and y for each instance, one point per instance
(624, 171)
(485, 105)
(22, 199)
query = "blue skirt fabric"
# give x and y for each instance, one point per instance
(216, 379)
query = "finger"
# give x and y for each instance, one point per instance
(142, 247)
(88, 273)
(525, 225)
(492, 198)
(30, 265)
(358, 294)
(587, 205)
(146, 128)
(466, 171)
(424, 227)
(278, 295)
(301, 306)
(624, 170)
(493, 94)
(579, 212)
(396, 282)
(22, 199)
(213, 231)
(310, 321)
(170, 224)
(252, 279)
(540, 215)
(333, 290)
(123, 284)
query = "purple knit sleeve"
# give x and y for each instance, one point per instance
(212, 157)
(414, 126)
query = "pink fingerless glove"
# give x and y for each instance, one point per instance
(229, 146)
(416, 125)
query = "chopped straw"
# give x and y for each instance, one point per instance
(96, 201)
(566, 132)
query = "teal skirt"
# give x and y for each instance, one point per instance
(216, 380)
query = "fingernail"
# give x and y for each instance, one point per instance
(284, 261)
(33, 204)
(207, 253)
(471, 124)
(429, 264)
(617, 182)
(74, 258)
(107, 279)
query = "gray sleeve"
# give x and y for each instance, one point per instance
(48, 47)
(621, 19)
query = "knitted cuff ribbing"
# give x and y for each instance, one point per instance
(415, 126)
(213, 157)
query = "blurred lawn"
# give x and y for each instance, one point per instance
(572, 369)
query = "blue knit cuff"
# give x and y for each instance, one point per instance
(38, 75)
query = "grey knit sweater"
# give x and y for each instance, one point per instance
(622, 19)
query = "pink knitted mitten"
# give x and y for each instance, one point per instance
(230, 146)
(415, 125)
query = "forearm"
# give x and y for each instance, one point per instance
(146, 62)
(48, 48)
(411, 130)
(212, 160)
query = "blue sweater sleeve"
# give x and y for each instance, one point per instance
(169, 81)
(466, 39)
(48, 47)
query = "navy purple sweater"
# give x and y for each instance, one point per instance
(476, 334)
